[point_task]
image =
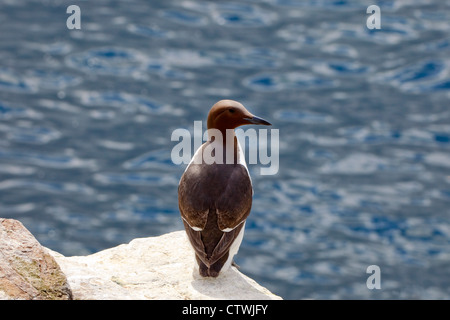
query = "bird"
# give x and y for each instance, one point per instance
(215, 199)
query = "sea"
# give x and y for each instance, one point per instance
(359, 208)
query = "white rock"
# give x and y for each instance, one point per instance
(153, 268)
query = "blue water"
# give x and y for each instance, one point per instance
(86, 118)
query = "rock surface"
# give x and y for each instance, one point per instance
(147, 268)
(153, 268)
(27, 270)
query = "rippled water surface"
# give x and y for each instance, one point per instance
(86, 118)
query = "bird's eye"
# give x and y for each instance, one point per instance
(231, 110)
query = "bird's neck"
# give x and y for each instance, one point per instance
(229, 143)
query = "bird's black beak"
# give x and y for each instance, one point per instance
(257, 120)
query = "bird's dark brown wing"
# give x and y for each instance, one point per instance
(219, 195)
(206, 246)
(234, 204)
(224, 187)
(193, 200)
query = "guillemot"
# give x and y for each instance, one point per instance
(215, 197)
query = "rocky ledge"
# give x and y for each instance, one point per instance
(146, 268)
(27, 270)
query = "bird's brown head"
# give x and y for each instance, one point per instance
(230, 114)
